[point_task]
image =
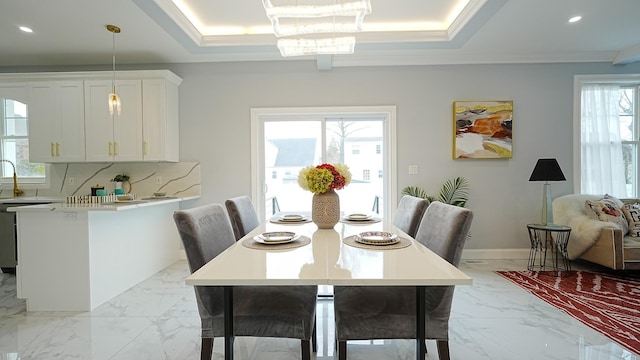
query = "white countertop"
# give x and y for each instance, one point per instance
(31, 200)
(63, 206)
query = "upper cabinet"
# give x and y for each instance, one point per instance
(56, 121)
(160, 131)
(70, 121)
(116, 137)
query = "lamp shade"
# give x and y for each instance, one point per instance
(547, 170)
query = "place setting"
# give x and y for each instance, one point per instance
(379, 240)
(276, 240)
(360, 219)
(290, 219)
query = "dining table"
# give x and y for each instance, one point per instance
(327, 257)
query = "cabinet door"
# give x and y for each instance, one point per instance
(56, 121)
(117, 137)
(42, 122)
(160, 120)
(69, 132)
(127, 128)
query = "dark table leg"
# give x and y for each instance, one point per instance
(228, 323)
(420, 324)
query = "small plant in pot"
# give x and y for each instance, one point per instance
(118, 180)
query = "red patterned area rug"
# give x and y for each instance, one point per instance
(607, 303)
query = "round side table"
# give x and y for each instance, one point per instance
(551, 237)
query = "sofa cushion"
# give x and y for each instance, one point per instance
(632, 213)
(607, 209)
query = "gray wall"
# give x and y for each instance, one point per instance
(215, 103)
(216, 98)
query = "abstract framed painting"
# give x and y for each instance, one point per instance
(483, 129)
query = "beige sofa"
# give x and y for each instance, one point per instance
(597, 241)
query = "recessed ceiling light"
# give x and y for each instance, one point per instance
(575, 19)
(25, 29)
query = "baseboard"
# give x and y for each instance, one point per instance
(495, 254)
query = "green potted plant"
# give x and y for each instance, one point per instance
(454, 192)
(118, 180)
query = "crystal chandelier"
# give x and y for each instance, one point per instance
(114, 99)
(309, 17)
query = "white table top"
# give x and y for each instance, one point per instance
(328, 261)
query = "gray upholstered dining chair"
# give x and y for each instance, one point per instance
(409, 214)
(243, 215)
(386, 312)
(259, 311)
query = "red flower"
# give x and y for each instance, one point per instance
(338, 180)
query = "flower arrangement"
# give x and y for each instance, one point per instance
(319, 179)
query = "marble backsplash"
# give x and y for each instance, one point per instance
(180, 179)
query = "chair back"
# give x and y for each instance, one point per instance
(205, 232)
(409, 214)
(242, 214)
(444, 229)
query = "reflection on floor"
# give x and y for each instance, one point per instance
(158, 319)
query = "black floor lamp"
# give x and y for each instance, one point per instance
(547, 170)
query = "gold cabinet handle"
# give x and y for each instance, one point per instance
(115, 148)
(110, 153)
(144, 149)
(57, 149)
(52, 153)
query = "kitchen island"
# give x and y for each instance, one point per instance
(74, 257)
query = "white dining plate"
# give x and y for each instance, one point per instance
(377, 238)
(293, 218)
(274, 238)
(359, 217)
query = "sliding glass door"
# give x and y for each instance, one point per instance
(286, 140)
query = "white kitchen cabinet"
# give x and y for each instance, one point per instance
(160, 130)
(56, 121)
(117, 137)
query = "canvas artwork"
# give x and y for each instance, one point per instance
(483, 129)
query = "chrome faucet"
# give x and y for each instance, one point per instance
(16, 192)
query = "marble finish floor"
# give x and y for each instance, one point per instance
(158, 319)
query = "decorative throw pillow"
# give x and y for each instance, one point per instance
(608, 210)
(632, 213)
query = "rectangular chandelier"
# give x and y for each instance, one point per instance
(311, 17)
(330, 46)
(289, 20)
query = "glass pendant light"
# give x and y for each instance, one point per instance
(114, 101)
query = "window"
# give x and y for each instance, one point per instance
(355, 149)
(14, 144)
(629, 122)
(378, 149)
(607, 135)
(288, 139)
(366, 175)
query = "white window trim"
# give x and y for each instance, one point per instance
(578, 82)
(389, 151)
